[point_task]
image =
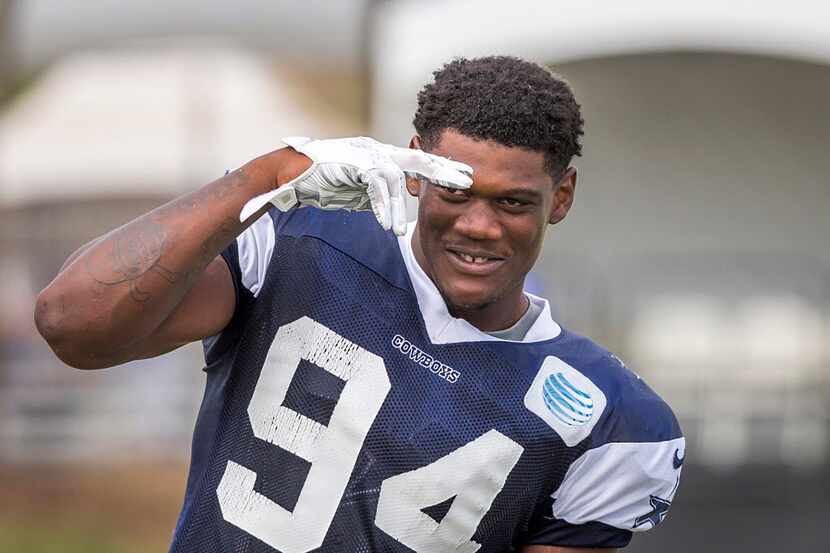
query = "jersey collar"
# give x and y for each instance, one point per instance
(442, 327)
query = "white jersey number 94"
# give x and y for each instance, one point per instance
(474, 473)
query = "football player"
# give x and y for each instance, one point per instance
(373, 385)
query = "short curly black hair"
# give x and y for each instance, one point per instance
(504, 99)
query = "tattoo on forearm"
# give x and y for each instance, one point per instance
(219, 239)
(132, 255)
(137, 250)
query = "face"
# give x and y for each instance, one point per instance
(477, 245)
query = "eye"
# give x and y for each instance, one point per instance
(512, 202)
(452, 193)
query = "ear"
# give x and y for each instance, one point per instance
(413, 186)
(563, 197)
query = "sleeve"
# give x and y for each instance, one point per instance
(247, 258)
(249, 255)
(624, 482)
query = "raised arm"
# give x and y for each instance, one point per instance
(156, 282)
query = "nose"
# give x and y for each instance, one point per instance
(478, 222)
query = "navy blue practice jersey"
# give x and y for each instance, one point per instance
(347, 411)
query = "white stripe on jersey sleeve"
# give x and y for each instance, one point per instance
(614, 484)
(255, 246)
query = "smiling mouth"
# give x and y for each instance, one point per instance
(474, 264)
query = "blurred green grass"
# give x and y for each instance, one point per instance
(27, 538)
(93, 508)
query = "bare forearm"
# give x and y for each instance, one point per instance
(77, 253)
(125, 284)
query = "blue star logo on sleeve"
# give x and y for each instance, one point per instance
(677, 462)
(659, 510)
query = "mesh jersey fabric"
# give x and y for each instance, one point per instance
(342, 274)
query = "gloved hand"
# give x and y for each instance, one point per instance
(360, 174)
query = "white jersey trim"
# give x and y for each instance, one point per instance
(442, 327)
(614, 484)
(255, 246)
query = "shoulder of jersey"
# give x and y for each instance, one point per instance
(354, 233)
(610, 402)
(628, 469)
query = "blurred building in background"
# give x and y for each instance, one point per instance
(696, 250)
(100, 137)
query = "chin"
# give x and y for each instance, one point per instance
(458, 306)
(468, 300)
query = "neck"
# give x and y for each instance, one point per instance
(499, 315)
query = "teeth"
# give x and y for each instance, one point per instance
(471, 259)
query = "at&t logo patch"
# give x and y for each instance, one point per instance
(566, 400)
(568, 403)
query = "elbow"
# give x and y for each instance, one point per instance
(89, 363)
(65, 340)
(49, 317)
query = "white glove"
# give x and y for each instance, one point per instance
(360, 174)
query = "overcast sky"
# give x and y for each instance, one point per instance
(307, 30)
